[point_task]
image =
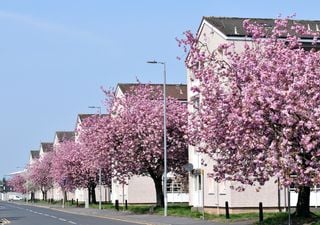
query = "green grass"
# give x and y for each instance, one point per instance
(183, 210)
(173, 210)
(282, 219)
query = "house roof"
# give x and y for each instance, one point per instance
(65, 135)
(46, 146)
(233, 26)
(35, 154)
(84, 116)
(178, 91)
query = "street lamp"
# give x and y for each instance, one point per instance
(100, 182)
(164, 135)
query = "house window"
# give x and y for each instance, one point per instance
(197, 183)
(223, 188)
(177, 186)
(195, 103)
(211, 185)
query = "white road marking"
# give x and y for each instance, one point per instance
(5, 221)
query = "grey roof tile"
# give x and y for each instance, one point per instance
(35, 154)
(65, 135)
(233, 26)
(178, 91)
(46, 146)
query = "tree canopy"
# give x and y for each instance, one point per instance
(259, 112)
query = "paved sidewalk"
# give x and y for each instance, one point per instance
(144, 219)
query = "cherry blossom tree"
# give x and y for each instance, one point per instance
(69, 170)
(133, 135)
(40, 174)
(64, 164)
(18, 183)
(259, 112)
(96, 143)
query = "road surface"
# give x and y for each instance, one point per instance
(28, 215)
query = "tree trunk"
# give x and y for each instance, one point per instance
(44, 194)
(93, 194)
(65, 196)
(303, 204)
(159, 191)
(89, 194)
(32, 196)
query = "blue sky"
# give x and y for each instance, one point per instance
(55, 55)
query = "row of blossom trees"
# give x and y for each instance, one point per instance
(258, 118)
(125, 142)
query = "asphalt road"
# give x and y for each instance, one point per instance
(29, 215)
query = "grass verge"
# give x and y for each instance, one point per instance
(183, 210)
(282, 219)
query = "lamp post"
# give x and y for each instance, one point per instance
(100, 182)
(164, 136)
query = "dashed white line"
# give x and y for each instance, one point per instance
(44, 214)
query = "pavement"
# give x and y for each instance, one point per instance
(144, 219)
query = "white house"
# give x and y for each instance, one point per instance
(204, 191)
(44, 148)
(34, 155)
(60, 136)
(141, 189)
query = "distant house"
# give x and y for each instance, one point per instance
(141, 189)
(177, 91)
(45, 147)
(34, 155)
(61, 136)
(80, 119)
(204, 191)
